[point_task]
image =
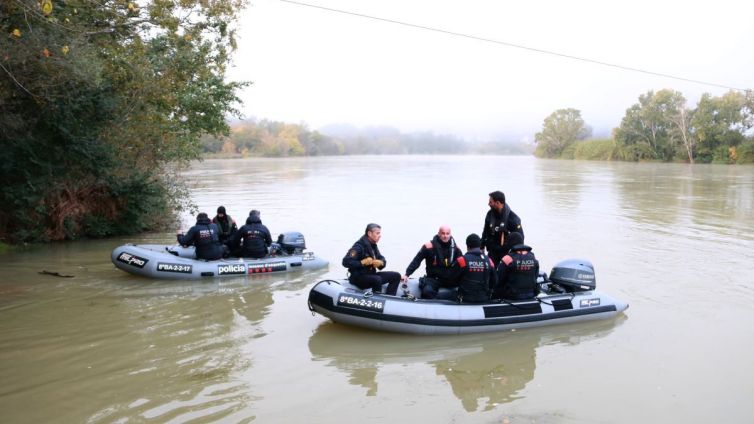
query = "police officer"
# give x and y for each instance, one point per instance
(439, 255)
(255, 235)
(475, 273)
(225, 224)
(364, 259)
(203, 235)
(518, 272)
(499, 222)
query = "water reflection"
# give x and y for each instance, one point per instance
(483, 371)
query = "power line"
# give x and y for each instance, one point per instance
(518, 46)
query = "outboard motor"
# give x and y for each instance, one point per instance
(292, 242)
(574, 275)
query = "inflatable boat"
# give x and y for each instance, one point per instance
(568, 295)
(179, 262)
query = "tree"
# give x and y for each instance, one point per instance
(559, 130)
(648, 131)
(96, 99)
(721, 123)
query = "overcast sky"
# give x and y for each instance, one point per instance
(322, 67)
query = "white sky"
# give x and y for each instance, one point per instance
(319, 67)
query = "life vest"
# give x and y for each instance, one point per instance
(475, 283)
(522, 270)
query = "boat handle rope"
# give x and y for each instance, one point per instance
(309, 303)
(550, 304)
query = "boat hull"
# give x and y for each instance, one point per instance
(176, 262)
(343, 303)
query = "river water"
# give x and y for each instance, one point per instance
(675, 241)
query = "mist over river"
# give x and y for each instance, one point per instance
(674, 241)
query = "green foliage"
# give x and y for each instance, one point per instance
(97, 96)
(745, 152)
(660, 127)
(604, 149)
(560, 130)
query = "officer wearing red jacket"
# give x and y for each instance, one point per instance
(439, 256)
(475, 273)
(518, 272)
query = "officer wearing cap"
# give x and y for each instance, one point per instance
(518, 272)
(255, 236)
(203, 235)
(225, 224)
(364, 261)
(498, 224)
(475, 273)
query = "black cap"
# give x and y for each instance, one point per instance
(202, 215)
(473, 241)
(255, 213)
(515, 238)
(221, 210)
(498, 196)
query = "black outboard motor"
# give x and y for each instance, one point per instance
(574, 275)
(292, 242)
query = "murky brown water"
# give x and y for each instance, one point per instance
(676, 242)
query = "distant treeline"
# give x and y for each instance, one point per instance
(278, 139)
(660, 128)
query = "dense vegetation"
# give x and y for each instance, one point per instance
(278, 139)
(660, 127)
(99, 100)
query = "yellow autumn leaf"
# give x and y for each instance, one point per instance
(187, 37)
(65, 50)
(46, 6)
(16, 33)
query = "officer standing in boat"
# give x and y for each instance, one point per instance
(518, 272)
(203, 235)
(499, 222)
(439, 255)
(364, 260)
(255, 236)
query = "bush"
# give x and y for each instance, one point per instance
(745, 153)
(604, 149)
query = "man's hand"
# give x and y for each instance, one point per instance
(367, 261)
(378, 263)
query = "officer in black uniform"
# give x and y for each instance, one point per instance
(439, 255)
(518, 272)
(364, 259)
(475, 273)
(203, 235)
(255, 235)
(225, 224)
(499, 222)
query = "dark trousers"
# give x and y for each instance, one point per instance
(496, 255)
(430, 288)
(376, 280)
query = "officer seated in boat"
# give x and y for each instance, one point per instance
(364, 260)
(203, 235)
(225, 224)
(517, 272)
(253, 239)
(439, 255)
(475, 273)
